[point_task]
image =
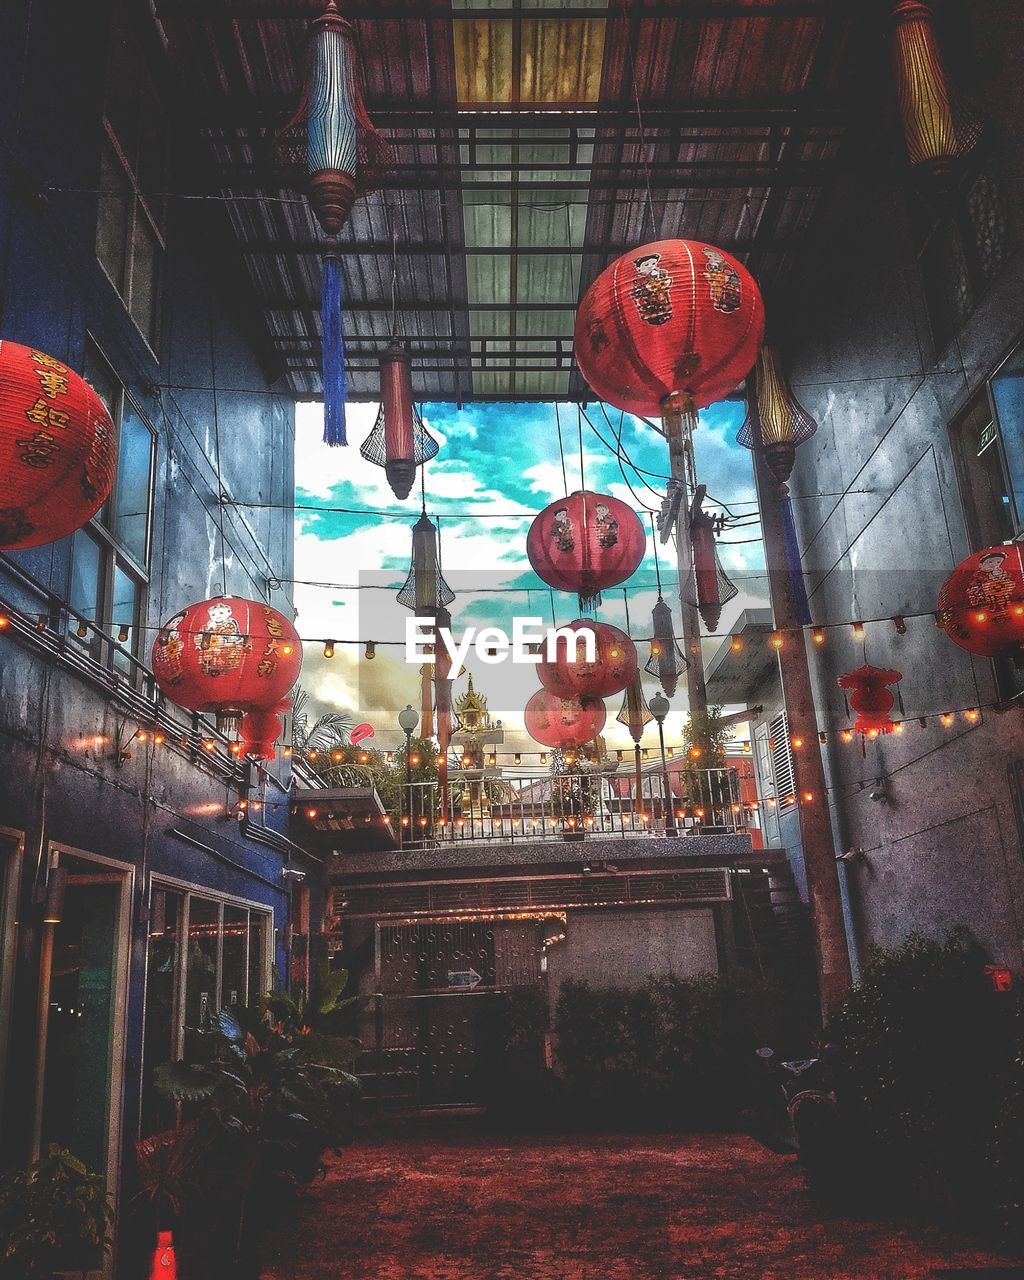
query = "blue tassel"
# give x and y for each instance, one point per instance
(796, 573)
(335, 391)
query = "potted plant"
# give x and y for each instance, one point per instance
(54, 1215)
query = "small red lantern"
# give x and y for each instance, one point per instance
(981, 604)
(871, 698)
(1000, 977)
(56, 449)
(614, 664)
(586, 543)
(669, 328)
(227, 655)
(563, 722)
(259, 732)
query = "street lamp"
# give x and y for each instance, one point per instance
(659, 707)
(408, 720)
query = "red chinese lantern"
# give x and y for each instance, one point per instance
(870, 698)
(981, 604)
(614, 664)
(563, 722)
(586, 543)
(669, 328)
(56, 449)
(229, 656)
(260, 730)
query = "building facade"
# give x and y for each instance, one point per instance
(905, 342)
(146, 878)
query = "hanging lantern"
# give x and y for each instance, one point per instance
(563, 722)
(331, 148)
(635, 714)
(936, 133)
(586, 543)
(229, 656)
(56, 449)
(714, 587)
(666, 660)
(260, 730)
(425, 592)
(614, 664)
(981, 604)
(669, 328)
(870, 698)
(784, 423)
(399, 442)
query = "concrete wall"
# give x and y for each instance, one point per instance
(944, 847)
(625, 948)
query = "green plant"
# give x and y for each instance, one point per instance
(54, 1214)
(265, 1106)
(932, 1078)
(705, 733)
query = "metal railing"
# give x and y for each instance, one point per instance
(495, 806)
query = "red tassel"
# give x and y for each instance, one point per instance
(164, 1266)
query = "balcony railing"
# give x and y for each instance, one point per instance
(490, 806)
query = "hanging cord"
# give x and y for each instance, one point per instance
(657, 562)
(625, 605)
(561, 449)
(579, 423)
(391, 225)
(216, 448)
(642, 129)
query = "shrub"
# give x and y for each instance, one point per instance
(53, 1214)
(932, 1079)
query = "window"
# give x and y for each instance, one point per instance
(133, 165)
(963, 251)
(110, 556)
(988, 440)
(780, 759)
(204, 954)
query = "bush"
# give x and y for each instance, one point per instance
(55, 1214)
(932, 1080)
(675, 1052)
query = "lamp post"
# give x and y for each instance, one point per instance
(659, 706)
(408, 720)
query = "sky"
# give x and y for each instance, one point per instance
(498, 465)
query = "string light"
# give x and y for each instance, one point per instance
(695, 753)
(822, 738)
(414, 759)
(287, 649)
(818, 635)
(287, 753)
(972, 715)
(364, 758)
(371, 649)
(777, 640)
(209, 744)
(81, 631)
(736, 644)
(646, 753)
(847, 735)
(329, 649)
(655, 649)
(899, 622)
(389, 756)
(619, 756)
(797, 743)
(543, 757)
(858, 631)
(808, 797)
(946, 720)
(5, 621)
(337, 756)
(517, 758)
(42, 622)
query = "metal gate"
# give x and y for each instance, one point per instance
(439, 986)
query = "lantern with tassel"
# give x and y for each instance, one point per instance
(260, 730)
(563, 722)
(981, 603)
(56, 449)
(871, 698)
(426, 592)
(399, 442)
(614, 664)
(784, 423)
(586, 543)
(332, 142)
(937, 134)
(714, 587)
(636, 716)
(669, 328)
(228, 656)
(666, 660)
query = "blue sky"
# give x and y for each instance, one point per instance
(498, 465)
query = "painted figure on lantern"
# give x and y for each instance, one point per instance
(726, 289)
(562, 530)
(169, 648)
(607, 526)
(992, 588)
(221, 644)
(652, 293)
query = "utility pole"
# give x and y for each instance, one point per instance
(678, 503)
(819, 851)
